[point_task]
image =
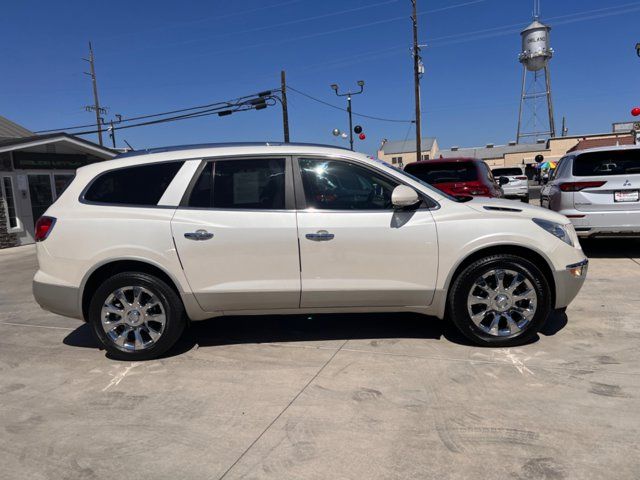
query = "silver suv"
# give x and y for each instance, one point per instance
(598, 190)
(518, 185)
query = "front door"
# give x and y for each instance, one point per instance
(355, 249)
(236, 236)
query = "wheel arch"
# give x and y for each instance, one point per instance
(529, 254)
(103, 271)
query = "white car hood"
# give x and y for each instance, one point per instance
(513, 207)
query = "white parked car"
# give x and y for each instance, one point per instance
(140, 245)
(518, 185)
(598, 190)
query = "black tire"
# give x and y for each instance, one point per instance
(525, 199)
(171, 303)
(458, 313)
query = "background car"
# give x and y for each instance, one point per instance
(518, 186)
(457, 176)
(598, 190)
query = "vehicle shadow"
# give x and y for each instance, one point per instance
(241, 330)
(611, 247)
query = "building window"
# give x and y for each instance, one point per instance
(396, 160)
(425, 156)
(12, 219)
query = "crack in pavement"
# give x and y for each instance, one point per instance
(283, 411)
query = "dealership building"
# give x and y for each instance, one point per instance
(513, 154)
(34, 171)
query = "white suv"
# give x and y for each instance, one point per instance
(140, 245)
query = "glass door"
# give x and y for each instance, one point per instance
(40, 193)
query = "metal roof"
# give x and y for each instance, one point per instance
(485, 153)
(10, 144)
(198, 146)
(406, 146)
(9, 129)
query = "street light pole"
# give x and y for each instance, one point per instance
(349, 94)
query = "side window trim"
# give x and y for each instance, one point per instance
(289, 198)
(301, 203)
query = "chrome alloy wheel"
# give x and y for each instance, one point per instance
(502, 302)
(133, 318)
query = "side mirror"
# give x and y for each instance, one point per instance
(503, 181)
(403, 196)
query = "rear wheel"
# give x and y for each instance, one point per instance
(500, 300)
(136, 316)
(525, 199)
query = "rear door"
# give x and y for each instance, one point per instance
(355, 249)
(236, 235)
(607, 181)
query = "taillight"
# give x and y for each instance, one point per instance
(521, 178)
(44, 225)
(577, 186)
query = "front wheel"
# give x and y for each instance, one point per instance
(500, 301)
(136, 316)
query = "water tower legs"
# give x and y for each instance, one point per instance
(532, 95)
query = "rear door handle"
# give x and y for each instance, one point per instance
(198, 235)
(320, 236)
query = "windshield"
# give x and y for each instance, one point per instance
(598, 164)
(507, 172)
(444, 172)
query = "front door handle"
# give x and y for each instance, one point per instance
(198, 235)
(320, 236)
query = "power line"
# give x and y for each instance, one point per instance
(153, 115)
(380, 119)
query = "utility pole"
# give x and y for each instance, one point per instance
(416, 79)
(285, 110)
(349, 94)
(96, 103)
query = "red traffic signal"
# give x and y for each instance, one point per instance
(362, 136)
(636, 112)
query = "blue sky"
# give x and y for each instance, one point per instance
(160, 55)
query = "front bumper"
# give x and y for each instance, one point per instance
(569, 282)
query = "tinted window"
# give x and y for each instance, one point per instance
(143, 185)
(507, 172)
(598, 164)
(339, 185)
(249, 184)
(444, 172)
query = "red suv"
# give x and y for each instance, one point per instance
(457, 176)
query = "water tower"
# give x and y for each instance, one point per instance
(536, 81)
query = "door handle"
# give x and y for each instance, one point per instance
(198, 235)
(320, 236)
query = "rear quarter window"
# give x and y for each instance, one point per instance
(140, 185)
(602, 164)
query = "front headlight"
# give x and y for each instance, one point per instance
(557, 230)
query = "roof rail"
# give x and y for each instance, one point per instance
(177, 148)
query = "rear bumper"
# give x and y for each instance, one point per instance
(569, 282)
(59, 299)
(601, 224)
(518, 192)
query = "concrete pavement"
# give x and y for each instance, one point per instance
(341, 397)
